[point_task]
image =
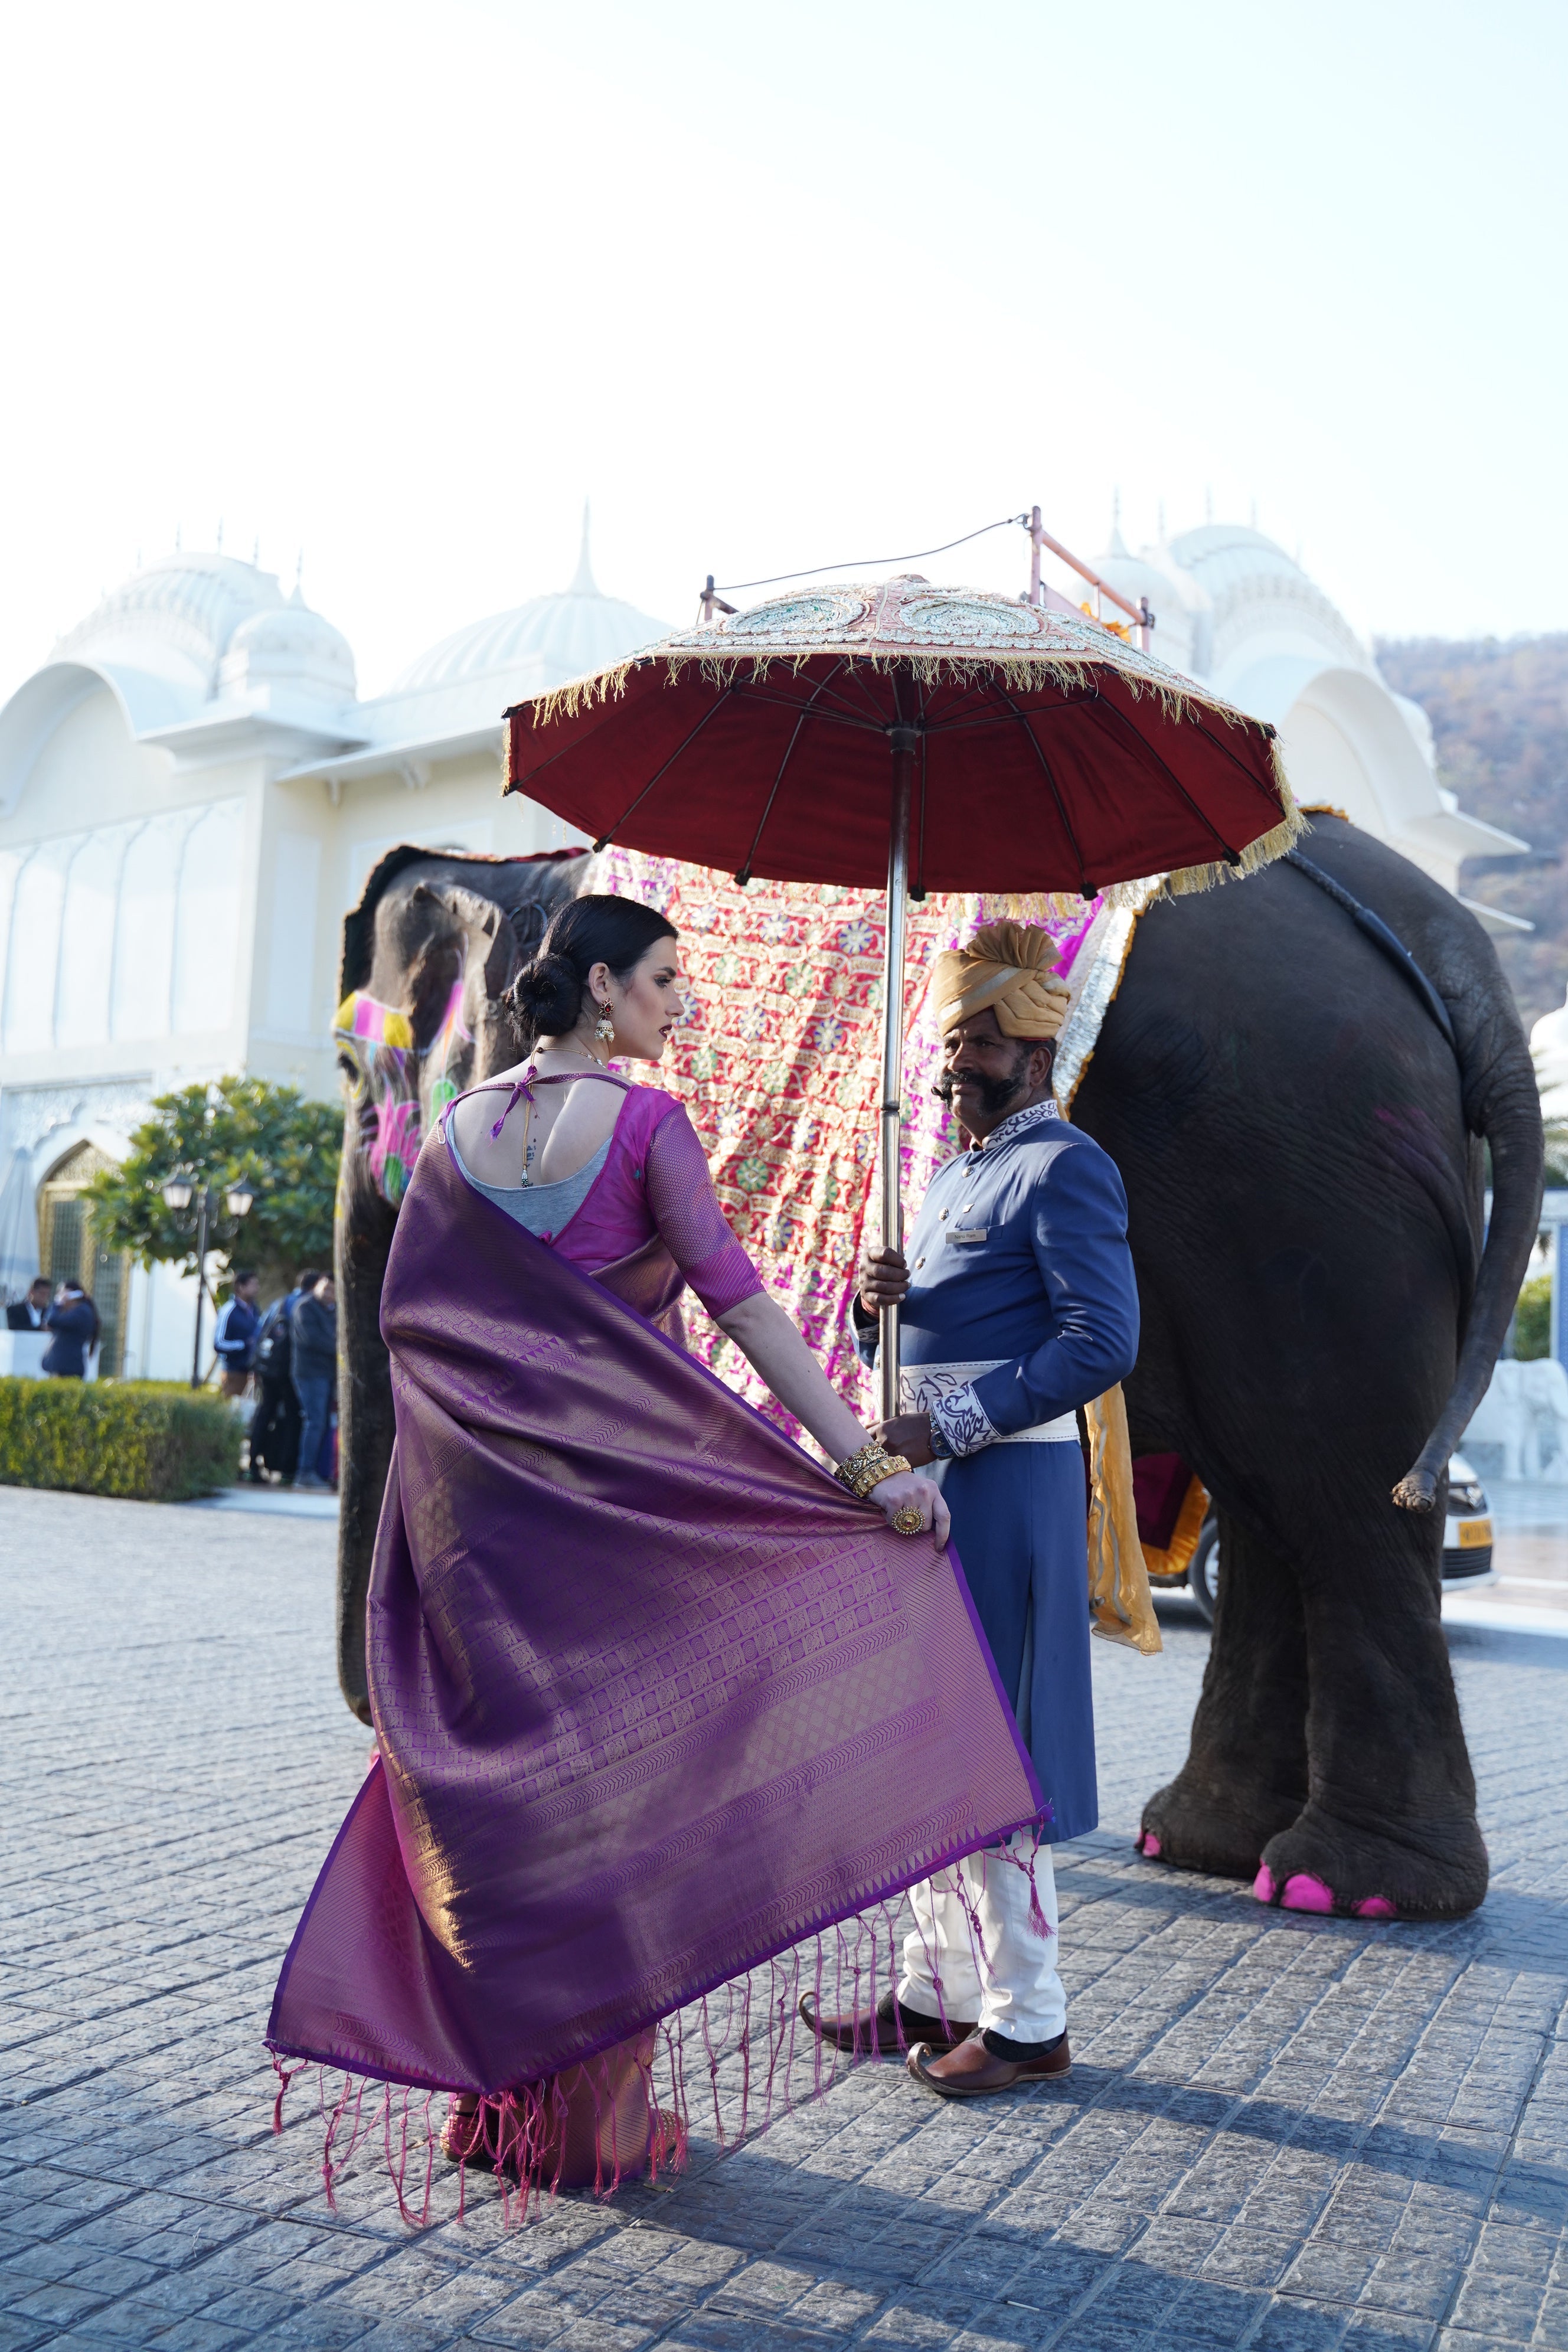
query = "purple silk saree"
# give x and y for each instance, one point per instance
(655, 1699)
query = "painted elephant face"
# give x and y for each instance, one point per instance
(405, 1061)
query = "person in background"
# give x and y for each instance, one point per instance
(28, 1314)
(275, 1424)
(313, 1339)
(73, 1319)
(238, 1325)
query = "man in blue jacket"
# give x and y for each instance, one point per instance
(1018, 1305)
(234, 1340)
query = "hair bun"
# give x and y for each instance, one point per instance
(548, 995)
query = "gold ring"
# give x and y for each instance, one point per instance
(908, 1520)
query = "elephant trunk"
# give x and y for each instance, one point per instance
(1503, 1105)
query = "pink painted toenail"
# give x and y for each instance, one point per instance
(1150, 1844)
(1377, 1906)
(1305, 1893)
(1263, 1884)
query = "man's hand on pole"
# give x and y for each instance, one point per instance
(884, 1279)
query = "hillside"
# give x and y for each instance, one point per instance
(1499, 715)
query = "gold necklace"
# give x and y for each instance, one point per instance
(552, 1052)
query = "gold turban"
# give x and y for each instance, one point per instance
(1005, 966)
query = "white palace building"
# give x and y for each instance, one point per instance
(192, 795)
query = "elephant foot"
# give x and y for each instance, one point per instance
(1327, 1866)
(1192, 1829)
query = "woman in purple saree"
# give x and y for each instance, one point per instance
(656, 1698)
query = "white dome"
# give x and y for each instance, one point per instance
(1224, 555)
(1175, 597)
(469, 679)
(288, 645)
(566, 634)
(190, 606)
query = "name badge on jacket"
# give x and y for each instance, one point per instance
(958, 1235)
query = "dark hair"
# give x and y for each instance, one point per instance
(548, 993)
(308, 1280)
(246, 1274)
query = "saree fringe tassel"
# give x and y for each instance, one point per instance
(739, 2059)
(1121, 1607)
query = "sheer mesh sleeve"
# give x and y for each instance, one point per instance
(691, 1223)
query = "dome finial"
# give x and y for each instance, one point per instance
(584, 584)
(1117, 546)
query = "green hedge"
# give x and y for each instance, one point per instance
(151, 1441)
(1532, 1319)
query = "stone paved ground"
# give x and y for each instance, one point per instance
(1278, 2132)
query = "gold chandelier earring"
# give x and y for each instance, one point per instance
(607, 1027)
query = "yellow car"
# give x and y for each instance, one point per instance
(1467, 1543)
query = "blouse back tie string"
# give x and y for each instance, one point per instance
(520, 1089)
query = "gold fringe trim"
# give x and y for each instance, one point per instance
(719, 666)
(1120, 1603)
(1176, 1559)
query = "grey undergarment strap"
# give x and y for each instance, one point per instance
(537, 1208)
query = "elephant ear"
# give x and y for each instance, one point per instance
(486, 939)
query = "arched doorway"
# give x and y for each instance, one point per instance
(69, 1252)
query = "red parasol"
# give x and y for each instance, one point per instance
(938, 738)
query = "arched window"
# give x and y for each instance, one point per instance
(144, 942)
(87, 939)
(34, 957)
(206, 923)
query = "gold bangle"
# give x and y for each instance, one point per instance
(849, 1469)
(892, 1465)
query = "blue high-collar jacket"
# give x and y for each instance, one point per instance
(1019, 1252)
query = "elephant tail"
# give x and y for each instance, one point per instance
(1501, 1104)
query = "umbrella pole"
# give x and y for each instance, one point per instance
(904, 743)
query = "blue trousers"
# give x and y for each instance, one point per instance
(315, 1394)
(1020, 1527)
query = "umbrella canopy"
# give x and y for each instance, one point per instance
(1040, 750)
(939, 737)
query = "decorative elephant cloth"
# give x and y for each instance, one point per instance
(656, 1703)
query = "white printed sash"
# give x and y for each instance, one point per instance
(920, 1385)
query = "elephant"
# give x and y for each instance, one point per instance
(1303, 1152)
(1302, 1148)
(427, 957)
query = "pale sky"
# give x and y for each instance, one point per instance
(400, 285)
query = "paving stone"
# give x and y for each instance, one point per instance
(1283, 2134)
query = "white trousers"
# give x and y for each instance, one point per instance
(975, 1940)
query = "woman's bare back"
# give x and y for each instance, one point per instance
(568, 1123)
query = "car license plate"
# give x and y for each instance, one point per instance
(1473, 1532)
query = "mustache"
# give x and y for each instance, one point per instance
(995, 1094)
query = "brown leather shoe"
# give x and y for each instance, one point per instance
(973, 2068)
(853, 2030)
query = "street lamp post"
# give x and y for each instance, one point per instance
(239, 1199)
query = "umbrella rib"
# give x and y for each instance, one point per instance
(1221, 745)
(806, 711)
(608, 835)
(1023, 718)
(989, 718)
(833, 717)
(1232, 856)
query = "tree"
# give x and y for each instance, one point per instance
(286, 1147)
